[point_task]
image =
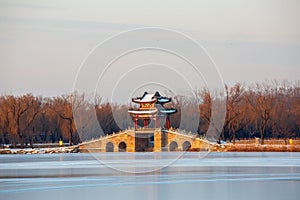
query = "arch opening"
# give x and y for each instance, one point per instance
(173, 146)
(109, 147)
(186, 146)
(122, 147)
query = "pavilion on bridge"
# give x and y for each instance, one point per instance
(151, 113)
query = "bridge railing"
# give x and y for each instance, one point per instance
(103, 137)
(189, 134)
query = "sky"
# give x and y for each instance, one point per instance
(43, 44)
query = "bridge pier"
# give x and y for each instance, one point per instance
(116, 149)
(160, 141)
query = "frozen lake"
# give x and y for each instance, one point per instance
(150, 176)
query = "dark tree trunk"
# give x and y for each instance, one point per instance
(31, 143)
(71, 132)
(262, 132)
(233, 136)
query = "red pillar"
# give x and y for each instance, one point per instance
(168, 124)
(145, 123)
(135, 122)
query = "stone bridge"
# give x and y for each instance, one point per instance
(157, 140)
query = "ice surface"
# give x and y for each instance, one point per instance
(180, 176)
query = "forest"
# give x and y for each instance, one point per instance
(264, 110)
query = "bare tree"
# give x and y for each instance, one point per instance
(205, 110)
(21, 112)
(262, 102)
(62, 106)
(234, 96)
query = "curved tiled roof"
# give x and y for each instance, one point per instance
(142, 112)
(150, 98)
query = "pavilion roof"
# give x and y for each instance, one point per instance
(142, 112)
(150, 98)
(168, 111)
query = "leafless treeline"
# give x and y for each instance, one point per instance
(263, 110)
(27, 119)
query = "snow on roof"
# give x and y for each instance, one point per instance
(164, 100)
(171, 111)
(147, 97)
(151, 98)
(141, 112)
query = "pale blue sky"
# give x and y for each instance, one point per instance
(42, 43)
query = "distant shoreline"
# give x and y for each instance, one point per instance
(55, 150)
(215, 148)
(258, 148)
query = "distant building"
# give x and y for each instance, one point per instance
(151, 112)
(148, 117)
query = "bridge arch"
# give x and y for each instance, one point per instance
(186, 146)
(122, 147)
(173, 146)
(109, 147)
